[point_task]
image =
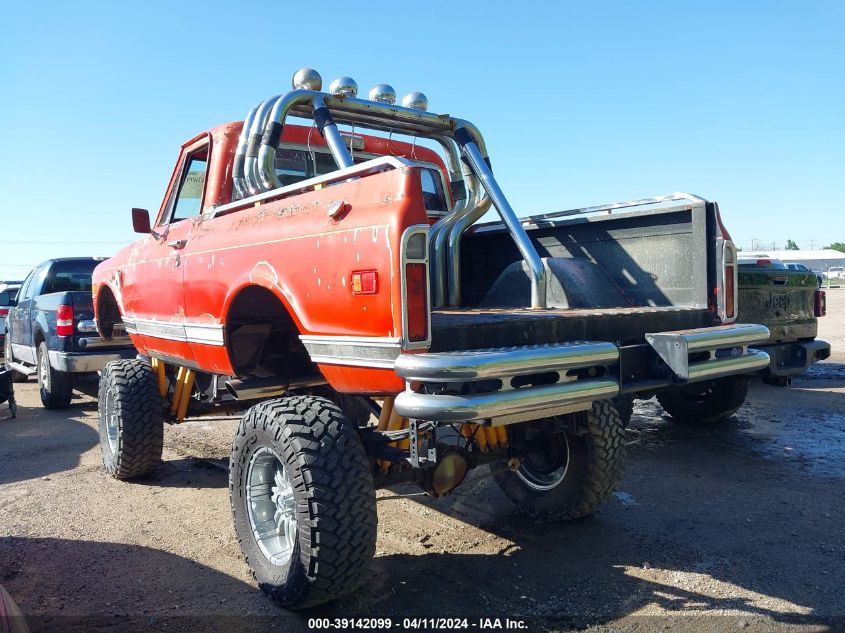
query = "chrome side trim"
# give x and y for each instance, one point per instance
(378, 352)
(186, 332)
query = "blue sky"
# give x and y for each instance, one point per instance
(580, 103)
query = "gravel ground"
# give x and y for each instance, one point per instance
(734, 527)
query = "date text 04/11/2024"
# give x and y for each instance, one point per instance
(431, 624)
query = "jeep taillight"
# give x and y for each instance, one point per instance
(730, 291)
(64, 320)
(820, 304)
(415, 304)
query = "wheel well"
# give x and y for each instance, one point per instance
(262, 338)
(108, 312)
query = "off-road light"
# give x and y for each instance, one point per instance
(415, 100)
(307, 79)
(383, 93)
(344, 87)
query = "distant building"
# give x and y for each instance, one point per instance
(819, 260)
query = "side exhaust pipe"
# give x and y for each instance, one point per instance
(256, 388)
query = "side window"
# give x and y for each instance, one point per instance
(32, 283)
(432, 187)
(192, 186)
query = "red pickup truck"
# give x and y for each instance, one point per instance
(341, 281)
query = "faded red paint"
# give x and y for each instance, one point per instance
(289, 246)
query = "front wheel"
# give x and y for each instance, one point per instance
(568, 475)
(131, 419)
(303, 500)
(705, 403)
(54, 386)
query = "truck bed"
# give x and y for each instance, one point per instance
(456, 329)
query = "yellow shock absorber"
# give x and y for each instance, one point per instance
(161, 378)
(492, 438)
(502, 436)
(405, 443)
(386, 410)
(480, 437)
(177, 390)
(186, 395)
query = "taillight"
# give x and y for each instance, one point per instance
(730, 292)
(414, 257)
(4, 312)
(416, 302)
(820, 303)
(764, 262)
(64, 320)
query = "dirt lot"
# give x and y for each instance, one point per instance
(735, 527)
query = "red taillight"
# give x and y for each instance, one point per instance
(4, 312)
(730, 292)
(764, 262)
(416, 302)
(820, 303)
(64, 320)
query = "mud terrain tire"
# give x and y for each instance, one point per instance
(131, 419)
(591, 465)
(303, 500)
(705, 403)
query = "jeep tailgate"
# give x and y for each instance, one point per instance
(782, 300)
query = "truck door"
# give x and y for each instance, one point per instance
(154, 298)
(20, 317)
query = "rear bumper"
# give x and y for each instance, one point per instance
(81, 363)
(791, 359)
(515, 384)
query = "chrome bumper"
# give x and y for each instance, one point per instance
(86, 363)
(713, 352)
(518, 384)
(500, 367)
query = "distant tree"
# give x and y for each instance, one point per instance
(837, 246)
(791, 245)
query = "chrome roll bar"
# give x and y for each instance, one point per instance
(459, 139)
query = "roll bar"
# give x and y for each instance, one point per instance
(466, 156)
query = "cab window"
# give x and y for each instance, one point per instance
(188, 200)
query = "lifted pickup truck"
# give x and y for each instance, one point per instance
(332, 276)
(50, 331)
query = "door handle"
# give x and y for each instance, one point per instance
(178, 244)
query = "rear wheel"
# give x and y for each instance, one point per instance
(55, 387)
(571, 475)
(303, 500)
(131, 419)
(705, 403)
(8, 358)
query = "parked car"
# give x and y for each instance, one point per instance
(804, 269)
(324, 283)
(8, 294)
(786, 299)
(836, 272)
(51, 330)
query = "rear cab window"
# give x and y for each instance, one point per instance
(69, 276)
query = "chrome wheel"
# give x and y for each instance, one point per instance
(544, 470)
(271, 506)
(111, 422)
(44, 371)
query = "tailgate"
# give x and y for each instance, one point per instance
(782, 300)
